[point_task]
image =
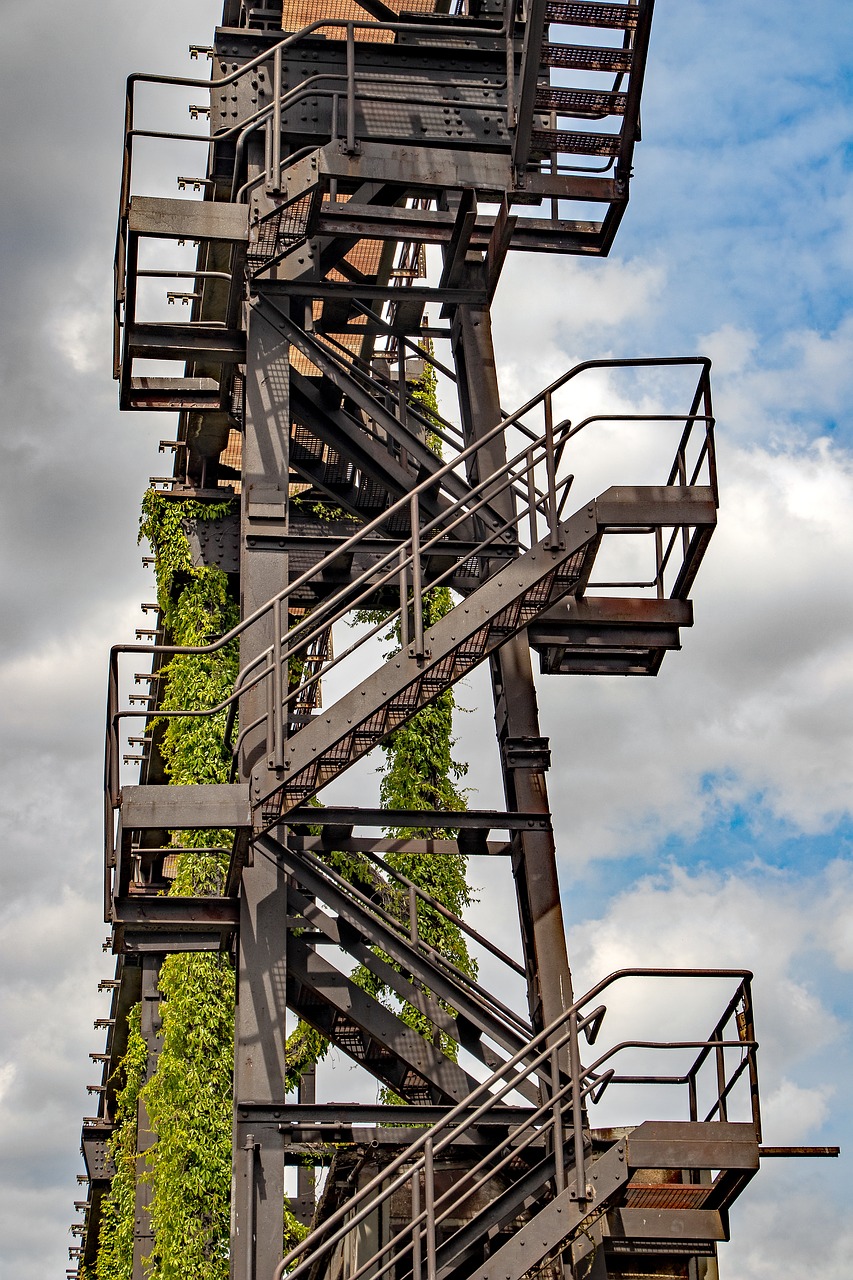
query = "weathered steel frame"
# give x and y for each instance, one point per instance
(257, 312)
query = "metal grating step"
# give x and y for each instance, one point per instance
(623, 17)
(569, 142)
(581, 102)
(667, 1195)
(316, 766)
(582, 58)
(280, 231)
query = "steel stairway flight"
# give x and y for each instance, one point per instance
(503, 606)
(457, 1008)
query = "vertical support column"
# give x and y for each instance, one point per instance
(306, 1174)
(257, 1230)
(143, 1234)
(524, 755)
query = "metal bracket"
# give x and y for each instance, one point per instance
(527, 753)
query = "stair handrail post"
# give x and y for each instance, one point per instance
(274, 174)
(531, 498)
(413, 916)
(417, 579)
(557, 1125)
(269, 714)
(404, 599)
(429, 1206)
(279, 656)
(417, 1252)
(551, 473)
(577, 1104)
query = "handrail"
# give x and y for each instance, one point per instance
(467, 1114)
(514, 1024)
(271, 111)
(391, 567)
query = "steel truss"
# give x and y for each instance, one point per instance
(364, 166)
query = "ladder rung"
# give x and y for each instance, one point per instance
(579, 57)
(581, 13)
(585, 144)
(581, 102)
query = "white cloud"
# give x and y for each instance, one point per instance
(7, 1076)
(548, 308)
(792, 1112)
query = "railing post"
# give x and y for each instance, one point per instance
(659, 561)
(577, 1108)
(277, 761)
(417, 581)
(749, 1034)
(269, 697)
(531, 499)
(720, 1058)
(557, 1124)
(403, 579)
(274, 175)
(413, 915)
(417, 1253)
(350, 147)
(550, 467)
(429, 1205)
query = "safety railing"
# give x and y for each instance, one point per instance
(551, 1133)
(344, 90)
(501, 516)
(531, 488)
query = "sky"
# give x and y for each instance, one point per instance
(703, 817)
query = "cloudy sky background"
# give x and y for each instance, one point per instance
(703, 818)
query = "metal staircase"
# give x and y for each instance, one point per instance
(535, 1195)
(366, 172)
(510, 574)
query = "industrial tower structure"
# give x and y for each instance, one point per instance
(367, 172)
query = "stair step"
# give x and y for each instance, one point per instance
(582, 13)
(280, 231)
(581, 102)
(583, 58)
(667, 1195)
(170, 394)
(569, 142)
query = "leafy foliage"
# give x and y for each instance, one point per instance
(115, 1244)
(188, 1097)
(189, 1106)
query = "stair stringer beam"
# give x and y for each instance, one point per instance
(426, 460)
(562, 1220)
(393, 694)
(402, 1059)
(359, 925)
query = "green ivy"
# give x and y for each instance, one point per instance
(115, 1243)
(190, 1110)
(188, 1097)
